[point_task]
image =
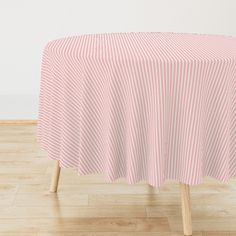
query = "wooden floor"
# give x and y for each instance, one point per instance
(88, 206)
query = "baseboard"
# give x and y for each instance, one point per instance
(18, 122)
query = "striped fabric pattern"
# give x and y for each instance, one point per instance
(145, 106)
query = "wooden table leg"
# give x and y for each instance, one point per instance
(55, 177)
(186, 209)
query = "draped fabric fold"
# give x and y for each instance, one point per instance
(142, 106)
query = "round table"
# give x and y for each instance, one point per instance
(145, 106)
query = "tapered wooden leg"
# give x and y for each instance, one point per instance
(55, 177)
(186, 209)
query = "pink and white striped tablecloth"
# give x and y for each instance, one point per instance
(143, 106)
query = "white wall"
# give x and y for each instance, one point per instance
(27, 25)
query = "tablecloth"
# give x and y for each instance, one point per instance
(145, 106)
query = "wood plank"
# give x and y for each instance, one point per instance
(86, 224)
(50, 199)
(96, 188)
(8, 188)
(9, 130)
(35, 169)
(133, 199)
(17, 157)
(215, 233)
(206, 224)
(21, 147)
(198, 211)
(63, 211)
(25, 177)
(207, 199)
(115, 234)
(7, 199)
(164, 210)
